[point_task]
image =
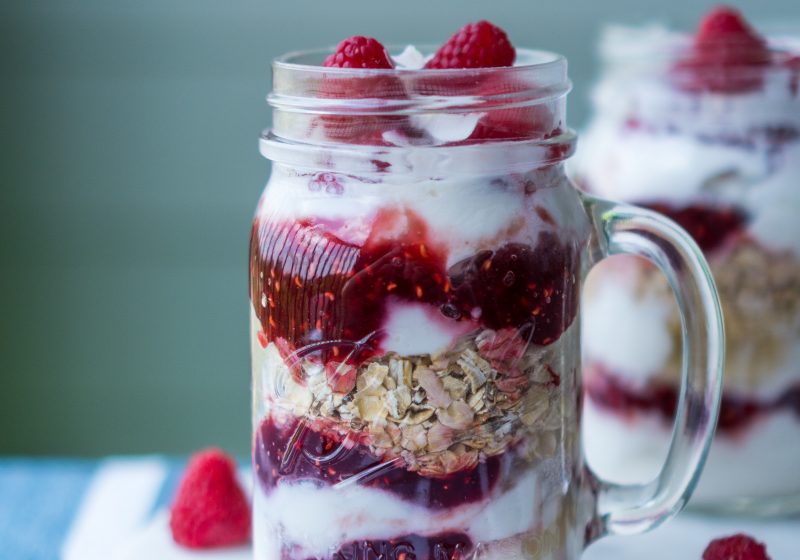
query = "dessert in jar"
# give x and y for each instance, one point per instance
(705, 129)
(415, 270)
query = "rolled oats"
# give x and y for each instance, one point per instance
(444, 413)
(458, 415)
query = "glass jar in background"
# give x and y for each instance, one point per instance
(715, 145)
(415, 270)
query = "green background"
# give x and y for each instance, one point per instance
(130, 173)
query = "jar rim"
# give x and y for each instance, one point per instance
(653, 47)
(534, 59)
(400, 161)
(301, 84)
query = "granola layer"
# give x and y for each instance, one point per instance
(760, 294)
(437, 414)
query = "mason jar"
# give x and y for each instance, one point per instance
(718, 150)
(416, 264)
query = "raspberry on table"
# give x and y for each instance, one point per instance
(476, 45)
(736, 547)
(359, 52)
(210, 508)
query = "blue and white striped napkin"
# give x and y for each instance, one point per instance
(62, 509)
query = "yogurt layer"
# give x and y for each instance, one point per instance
(633, 451)
(633, 336)
(639, 344)
(321, 519)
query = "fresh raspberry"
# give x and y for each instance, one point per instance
(724, 23)
(736, 547)
(359, 52)
(514, 123)
(727, 55)
(362, 53)
(210, 508)
(476, 45)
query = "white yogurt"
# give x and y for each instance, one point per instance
(461, 214)
(410, 58)
(318, 519)
(633, 450)
(626, 333)
(417, 328)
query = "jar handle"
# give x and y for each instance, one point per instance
(626, 509)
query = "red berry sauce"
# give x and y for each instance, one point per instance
(610, 392)
(294, 451)
(326, 296)
(444, 546)
(710, 226)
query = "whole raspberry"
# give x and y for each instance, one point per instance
(359, 52)
(523, 121)
(366, 53)
(210, 508)
(722, 22)
(724, 36)
(736, 547)
(727, 55)
(476, 45)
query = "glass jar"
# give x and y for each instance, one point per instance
(719, 152)
(416, 266)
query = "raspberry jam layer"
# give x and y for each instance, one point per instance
(444, 546)
(310, 287)
(294, 451)
(610, 392)
(709, 226)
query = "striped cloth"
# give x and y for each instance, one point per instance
(78, 509)
(58, 509)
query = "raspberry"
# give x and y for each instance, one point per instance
(359, 52)
(724, 23)
(727, 55)
(362, 53)
(210, 508)
(516, 123)
(735, 547)
(476, 45)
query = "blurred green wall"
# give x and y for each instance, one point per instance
(129, 175)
